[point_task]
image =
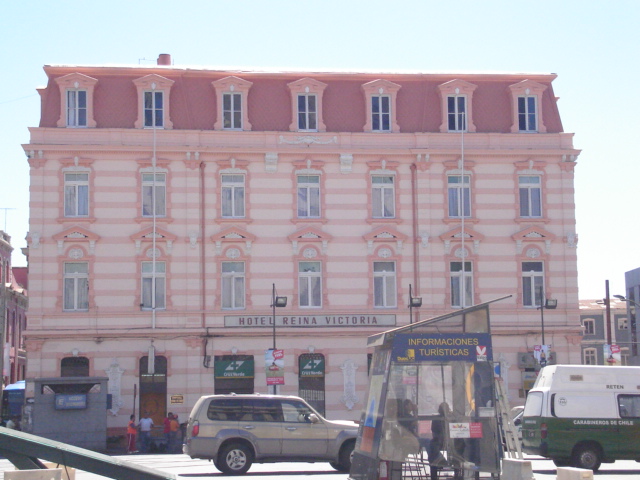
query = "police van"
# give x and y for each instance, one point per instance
(583, 415)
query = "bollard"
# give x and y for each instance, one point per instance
(513, 469)
(39, 474)
(571, 473)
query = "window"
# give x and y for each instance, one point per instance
(76, 194)
(461, 290)
(310, 284)
(76, 108)
(459, 196)
(154, 193)
(532, 283)
(154, 285)
(589, 325)
(629, 406)
(232, 111)
(76, 286)
(623, 323)
(233, 196)
(307, 113)
(381, 113)
(384, 284)
(308, 196)
(383, 196)
(530, 196)
(74, 367)
(526, 111)
(590, 356)
(233, 282)
(153, 109)
(457, 113)
(527, 118)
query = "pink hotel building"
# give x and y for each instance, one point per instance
(169, 203)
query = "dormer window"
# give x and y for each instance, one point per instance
(231, 97)
(76, 93)
(153, 104)
(457, 115)
(527, 114)
(306, 99)
(380, 96)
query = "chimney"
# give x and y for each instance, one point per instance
(164, 59)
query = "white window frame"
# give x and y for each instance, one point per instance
(233, 191)
(233, 285)
(305, 114)
(530, 194)
(457, 117)
(308, 196)
(384, 284)
(310, 284)
(151, 188)
(528, 113)
(589, 326)
(459, 196)
(589, 356)
(532, 280)
(379, 115)
(153, 285)
(232, 104)
(383, 196)
(76, 194)
(152, 113)
(456, 284)
(77, 115)
(75, 294)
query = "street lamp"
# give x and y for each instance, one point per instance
(634, 345)
(549, 303)
(276, 302)
(414, 302)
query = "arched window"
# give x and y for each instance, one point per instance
(74, 367)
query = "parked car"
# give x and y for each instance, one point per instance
(234, 431)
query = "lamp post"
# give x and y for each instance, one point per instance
(276, 302)
(549, 303)
(634, 335)
(414, 302)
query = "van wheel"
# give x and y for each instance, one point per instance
(234, 459)
(587, 456)
(346, 454)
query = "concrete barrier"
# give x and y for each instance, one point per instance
(571, 473)
(40, 474)
(513, 469)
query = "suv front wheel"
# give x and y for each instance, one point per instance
(234, 459)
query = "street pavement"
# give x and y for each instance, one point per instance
(185, 468)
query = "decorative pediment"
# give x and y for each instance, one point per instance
(382, 165)
(456, 235)
(233, 234)
(385, 234)
(76, 234)
(533, 234)
(147, 235)
(309, 235)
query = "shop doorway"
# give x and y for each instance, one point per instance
(153, 389)
(311, 368)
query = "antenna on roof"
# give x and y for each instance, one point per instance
(5, 217)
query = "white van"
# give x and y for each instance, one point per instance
(583, 415)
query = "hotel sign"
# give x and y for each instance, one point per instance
(342, 320)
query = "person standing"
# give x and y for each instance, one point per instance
(167, 432)
(145, 424)
(174, 426)
(131, 435)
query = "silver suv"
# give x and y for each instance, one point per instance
(237, 430)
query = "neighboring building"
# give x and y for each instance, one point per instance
(13, 305)
(169, 204)
(597, 327)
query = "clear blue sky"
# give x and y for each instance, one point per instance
(593, 47)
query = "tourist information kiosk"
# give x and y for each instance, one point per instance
(431, 401)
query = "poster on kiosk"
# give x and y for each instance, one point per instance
(431, 395)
